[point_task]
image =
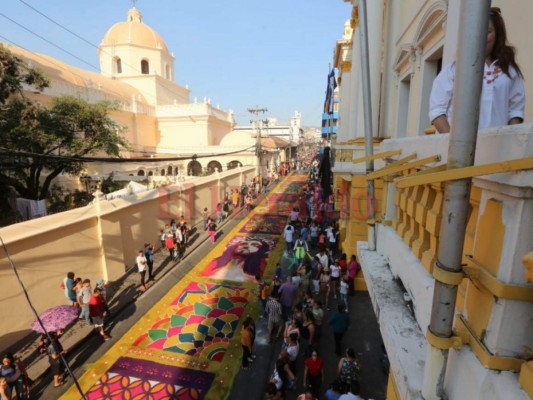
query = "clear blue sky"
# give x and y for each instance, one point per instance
(240, 53)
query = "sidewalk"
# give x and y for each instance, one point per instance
(121, 293)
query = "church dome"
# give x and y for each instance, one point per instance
(134, 31)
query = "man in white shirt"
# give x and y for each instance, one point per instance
(324, 260)
(141, 267)
(289, 236)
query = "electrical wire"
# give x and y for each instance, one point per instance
(97, 47)
(63, 360)
(49, 42)
(5, 151)
(49, 59)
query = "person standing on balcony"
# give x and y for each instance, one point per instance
(502, 97)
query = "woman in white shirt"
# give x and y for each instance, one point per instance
(502, 97)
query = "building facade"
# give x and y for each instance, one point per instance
(488, 355)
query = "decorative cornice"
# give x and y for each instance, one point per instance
(354, 21)
(346, 66)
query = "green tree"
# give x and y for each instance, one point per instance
(14, 73)
(41, 140)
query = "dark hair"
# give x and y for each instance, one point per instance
(253, 263)
(271, 389)
(502, 51)
(351, 352)
(70, 275)
(336, 386)
(340, 307)
(9, 356)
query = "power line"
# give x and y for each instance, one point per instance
(40, 322)
(118, 95)
(96, 47)
(49, 42)
(4, 151)
(57, 23)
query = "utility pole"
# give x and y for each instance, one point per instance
(256, 111)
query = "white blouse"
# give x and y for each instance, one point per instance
(502, 98)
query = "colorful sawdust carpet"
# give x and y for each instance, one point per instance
(131, 378)
(269, 224)
(243, 258)
(203, 320)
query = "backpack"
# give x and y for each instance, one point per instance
(349, 371)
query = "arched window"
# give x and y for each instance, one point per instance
(145, 67)
(167, 72)
(176, 171)
(169, 170)
(163, 172)
(234, 164)
(140, 172)
(117, 65)
(150, 173)
(194, 168)
(214, 166)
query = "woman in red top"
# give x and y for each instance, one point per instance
(314, 372)
(343, 264)
(96, 310)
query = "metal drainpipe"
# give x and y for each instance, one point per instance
(369, 131)
(469, 68)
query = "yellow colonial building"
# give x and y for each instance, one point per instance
(161, 121)
(101, 240)
(489, 354)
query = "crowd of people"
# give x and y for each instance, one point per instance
(317, 278)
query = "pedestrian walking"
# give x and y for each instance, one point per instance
(339, 323)
(288, 233)
(6, 392)
(246, 343)
(343, 291)
(300, 249)
(101, 286)
(287, 296)
(353, 268)
(325, 287)
(149, 255)
(314, 373)
(273, 311)
(307, 333)
(162, 238)
(96, 309)
(212, 229)
(348, 370)
(54, 350)
(318, 317)
(15, 373)
(169, 245)
(68, 285)
(140, 261)
(84, 296)
(263, 292)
